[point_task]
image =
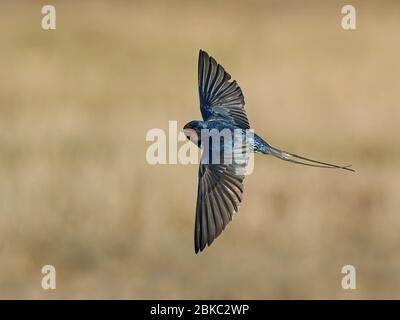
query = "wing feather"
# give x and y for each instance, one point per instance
(219, 196)
(219, 97)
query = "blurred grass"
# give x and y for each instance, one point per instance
(76, 191)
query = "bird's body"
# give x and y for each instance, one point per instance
(220, 186)
(256, 143)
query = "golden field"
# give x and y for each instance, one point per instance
(76, 191)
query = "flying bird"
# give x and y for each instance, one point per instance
(220, 185)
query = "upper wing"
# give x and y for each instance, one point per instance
(219, 195)
(218, 95)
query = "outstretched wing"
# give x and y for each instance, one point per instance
(219, 195)
(219, 97)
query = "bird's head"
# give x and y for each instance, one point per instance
(192, 130)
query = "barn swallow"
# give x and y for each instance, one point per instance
(220, 185)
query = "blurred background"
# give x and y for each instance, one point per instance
(76, 191)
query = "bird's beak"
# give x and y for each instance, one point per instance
(191, 134)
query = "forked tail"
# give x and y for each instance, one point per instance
(291, 157)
